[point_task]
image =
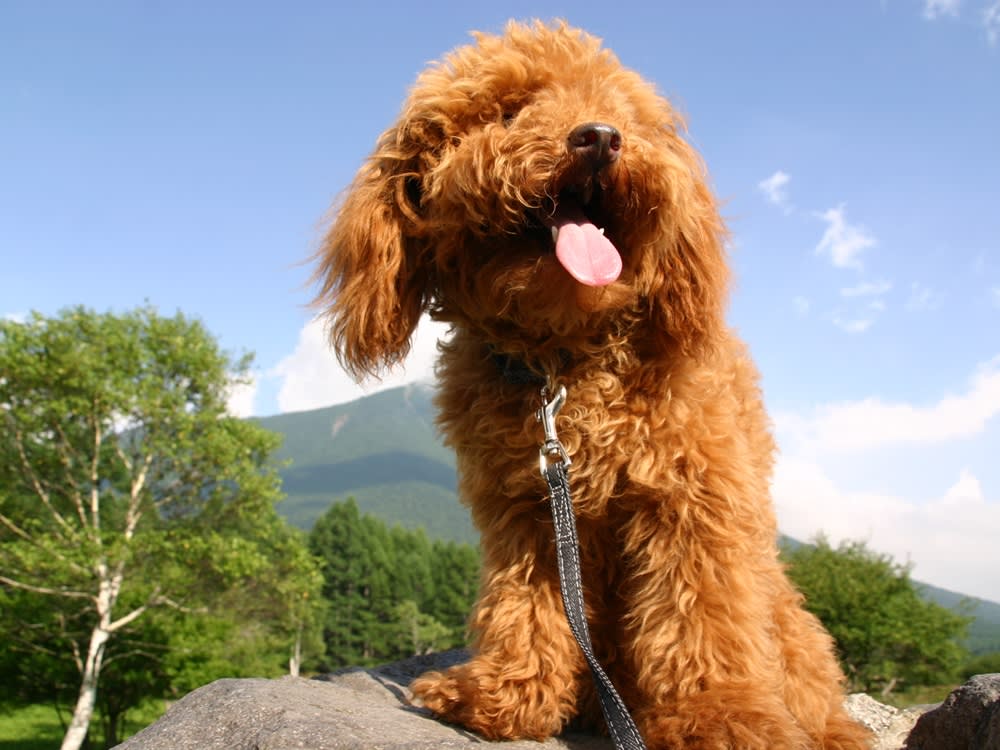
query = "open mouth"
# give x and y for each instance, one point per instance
(580, 245)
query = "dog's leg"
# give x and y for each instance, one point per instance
(522, 678)
(812, 684)
(702, 648)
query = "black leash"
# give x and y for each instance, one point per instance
(554, 464)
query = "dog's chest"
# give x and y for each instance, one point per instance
(495, 433)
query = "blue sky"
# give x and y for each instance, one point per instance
(185, 154)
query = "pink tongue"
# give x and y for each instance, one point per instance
(586, 254)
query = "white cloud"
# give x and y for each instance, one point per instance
(949, 534)
(863, 317)
(991, 22)
(934, 9)
(16, 317)
(861, 426)
(965, 490)
(774, 190)
(950, 539)
(242, 398)
(851, 325)
(922, 298)
(867, 289)
(843, 242)
(311, 377)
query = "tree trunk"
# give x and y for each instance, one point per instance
(80, 723)
(295, 662)
(114, 722)
(889, 687)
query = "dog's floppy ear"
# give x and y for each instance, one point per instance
(372, 265)
(689, 297)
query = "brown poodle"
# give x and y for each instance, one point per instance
(541, 199)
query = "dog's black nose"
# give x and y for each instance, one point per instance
(597, 142)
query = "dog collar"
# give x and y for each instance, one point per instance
(517, 371)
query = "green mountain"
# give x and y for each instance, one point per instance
(384, 451)
(984, 632)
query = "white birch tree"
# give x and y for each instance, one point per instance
(121, 470)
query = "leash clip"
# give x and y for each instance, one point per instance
(552, 449)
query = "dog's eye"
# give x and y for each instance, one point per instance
(508, 118)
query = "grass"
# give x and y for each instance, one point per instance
(141, 717)
(37, 727)
(915, 696)
(30, 728)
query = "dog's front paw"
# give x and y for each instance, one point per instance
(437, 692)
(497, 709)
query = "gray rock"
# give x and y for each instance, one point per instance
(866, 710)
(889, 726)
(969, 719)
(351, 710)
(357, 709)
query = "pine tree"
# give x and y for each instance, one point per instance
(391, 593)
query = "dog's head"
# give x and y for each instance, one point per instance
(533, 189)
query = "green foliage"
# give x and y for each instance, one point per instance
(887, 635)
(984, 631)
(391, 593)
(455, 577)
(134, 508)
(982, 664)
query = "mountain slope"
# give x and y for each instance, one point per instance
(384, 451)
(984, 632)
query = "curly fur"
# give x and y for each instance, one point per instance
(690, 610)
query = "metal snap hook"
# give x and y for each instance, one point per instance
(551, 450)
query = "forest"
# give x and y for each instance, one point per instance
(388, 593)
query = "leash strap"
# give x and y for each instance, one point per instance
(554, 466)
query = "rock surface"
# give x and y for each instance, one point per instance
(889, 726)
(969, 719)
(348, 710)
(357, 708)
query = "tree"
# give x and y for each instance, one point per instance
(982, 664)
(390, 593)
(410, 566)
(346, 567)
(455, 569)
(416, 632)
(127, 490)
(887, 635)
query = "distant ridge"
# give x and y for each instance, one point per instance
(385, 451)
